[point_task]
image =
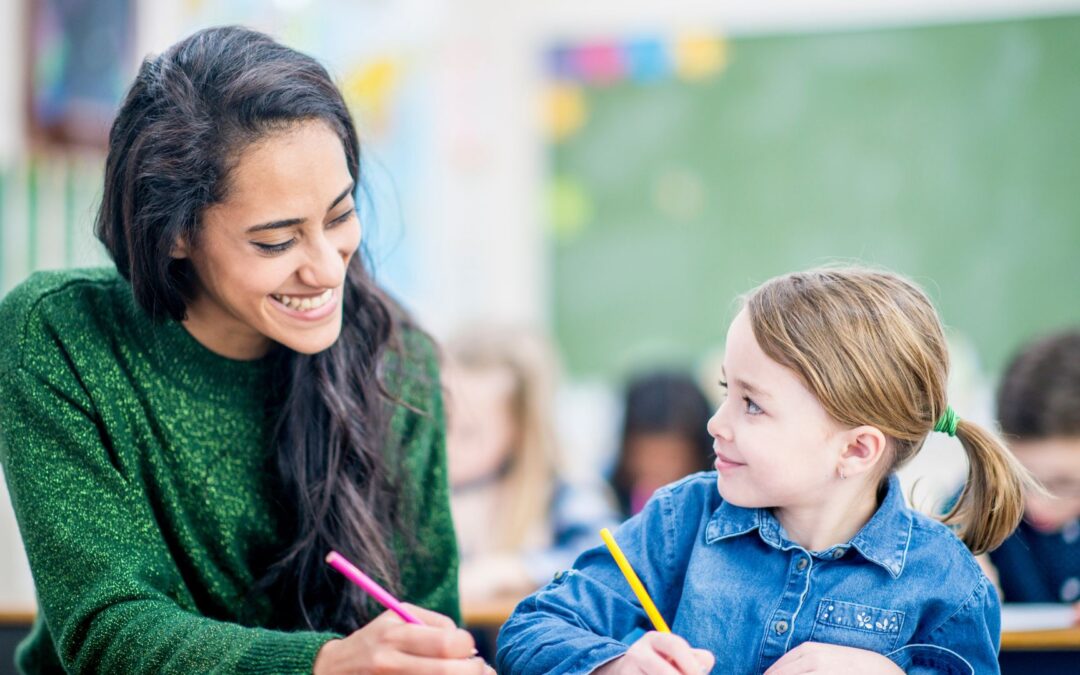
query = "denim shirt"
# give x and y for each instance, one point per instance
(729, 580)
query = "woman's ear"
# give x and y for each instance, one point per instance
(865, 446)
(180, 248)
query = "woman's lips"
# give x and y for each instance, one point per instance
(316, 314)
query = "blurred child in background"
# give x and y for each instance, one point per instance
(517, 519)
(663, 437)
(1039, 411)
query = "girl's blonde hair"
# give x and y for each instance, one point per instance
(870, 347)
(533, 469)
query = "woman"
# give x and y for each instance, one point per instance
(187, 436)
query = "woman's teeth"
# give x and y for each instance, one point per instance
(305, 304)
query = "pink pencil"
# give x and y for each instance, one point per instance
(338, 562)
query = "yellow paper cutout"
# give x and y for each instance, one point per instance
(698, 56)
(564, 110)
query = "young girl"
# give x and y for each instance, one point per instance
(798, 554)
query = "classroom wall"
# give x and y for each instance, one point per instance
(11, 68)
(477, 227)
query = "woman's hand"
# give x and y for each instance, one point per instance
(389, 645)
(659, 654)
(818, 657)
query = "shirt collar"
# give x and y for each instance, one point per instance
(883, 540)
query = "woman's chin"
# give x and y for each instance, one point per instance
(313, 341)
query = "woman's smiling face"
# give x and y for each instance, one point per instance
(270, 259)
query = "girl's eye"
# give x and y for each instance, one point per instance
(751, 407)
(275, 248)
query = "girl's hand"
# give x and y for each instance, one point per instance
(659, 654)
(389, 645)
(818, 657)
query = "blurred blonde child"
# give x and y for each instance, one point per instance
(517, 519)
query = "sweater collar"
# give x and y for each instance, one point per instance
(183, 359)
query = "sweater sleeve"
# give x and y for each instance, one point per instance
(108, 585)
(430, 564)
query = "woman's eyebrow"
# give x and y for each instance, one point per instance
(344, 193)
(289, 222)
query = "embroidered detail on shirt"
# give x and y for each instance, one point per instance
(863, 617)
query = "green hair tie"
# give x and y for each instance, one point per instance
(948, 421)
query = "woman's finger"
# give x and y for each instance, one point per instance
(400, 662)
(431, 642)
(430, 618)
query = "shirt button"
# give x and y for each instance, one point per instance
(558, 575)
(838, 553)
(781, 627)
(801, 565)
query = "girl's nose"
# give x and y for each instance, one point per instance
(717, 427)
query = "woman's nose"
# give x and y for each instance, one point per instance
(325, 265)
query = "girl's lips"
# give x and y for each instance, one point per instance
(723, 463)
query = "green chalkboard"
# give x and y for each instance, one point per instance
(948, 153)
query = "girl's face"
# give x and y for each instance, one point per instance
(775, 445)
(270, 260)
(481, 429)
(1056, 463)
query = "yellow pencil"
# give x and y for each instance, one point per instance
(635, 583)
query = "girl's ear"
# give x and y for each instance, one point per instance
(864, 449)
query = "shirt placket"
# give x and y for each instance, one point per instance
(779, 629)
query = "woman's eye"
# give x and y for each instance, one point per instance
(275, 248)
(751, 407)
(343, 217)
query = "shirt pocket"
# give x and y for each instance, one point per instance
(861, 626)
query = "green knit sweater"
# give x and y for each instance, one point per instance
(136, 461)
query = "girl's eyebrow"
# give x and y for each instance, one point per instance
(746, 386)
(289, 222)
(751, 389)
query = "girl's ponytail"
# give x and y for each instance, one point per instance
(992, 502)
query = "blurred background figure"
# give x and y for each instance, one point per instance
(518, 519)
(663, 436)
(1039, 411)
